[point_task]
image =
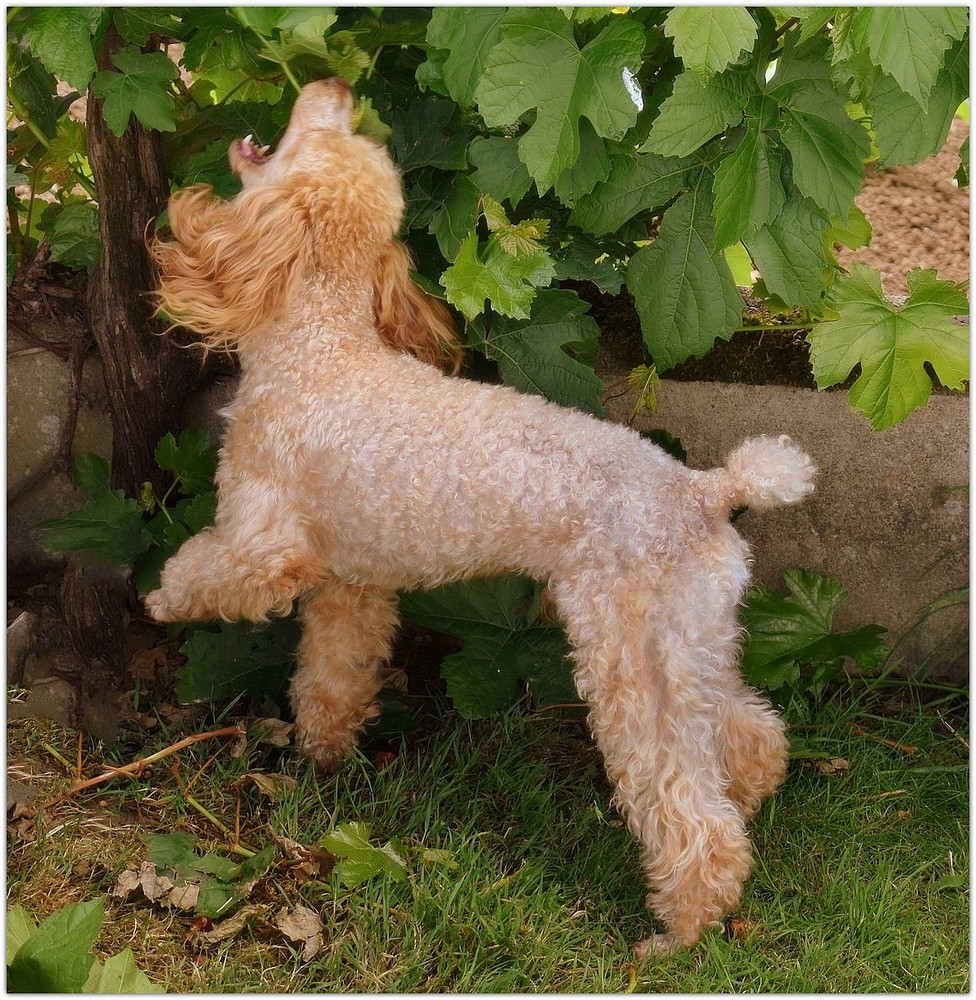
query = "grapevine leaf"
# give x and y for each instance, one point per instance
(685, 296)
(538, 66)
(74, 236)
(903, 131)
(506, 642)
(456, 216)
(192, 458)
(789, 254)
(909, 43)
(508, 282)
(591, 166)
(783, 633)
(584, 259)
(962, 174)
(110, 525)
(424, 136)
(892, 343)
(747, 186)
(61, 37)
(136, 24)
(498, 169)
(708, 39)
(532, 356)
(467, 36)
(135, 90)
(635, 184)
(697, 110)
(827, 148)
(237, 657)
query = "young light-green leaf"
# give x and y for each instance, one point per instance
(360, 860)
(507, 281)
(119, 974)
(685, 295)
(539, 68)
(708, 39)
(892, 343)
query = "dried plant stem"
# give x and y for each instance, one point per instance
(135, 768)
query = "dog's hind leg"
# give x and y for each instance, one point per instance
(347, 636)
(648, 668)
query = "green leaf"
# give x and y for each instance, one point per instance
(783, 633)
(591, 166)
(359, 859)
(119, 974)
(909, 43)
(467, 35)
(962, 173)
(747, 187)
(192, 459)
(789, 254)
(903, 131)
(506, 642)
(538, 67)
(827, 148)
(74, 236)
(708, 39)
(508, 282)
(111, 525)
(532, 356)
(498, 169)
(21, 927)
(456, 216)
(425, 135)
(238, 657)
(699, 109)
(136, 90)
(136, 24)
(62, 37)
(173, 851)
(57, 958)
(685, 296)
(892, 343)
(636, 183)
(583, 259)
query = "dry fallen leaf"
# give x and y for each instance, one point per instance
(301, 925)
(228, 928)
(272, 731)
(739, 927)
(269, 783)
(836, 765)
(154, 887)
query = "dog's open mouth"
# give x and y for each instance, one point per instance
(251, 151)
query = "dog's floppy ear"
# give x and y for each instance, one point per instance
(409, 319)
(232, 266)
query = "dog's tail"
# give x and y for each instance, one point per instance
(762, 472)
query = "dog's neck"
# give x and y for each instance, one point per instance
(331, 314)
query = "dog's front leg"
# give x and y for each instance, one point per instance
(215, 576)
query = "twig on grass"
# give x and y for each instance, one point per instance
(134, 769)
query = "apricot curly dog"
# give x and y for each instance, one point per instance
(352, 467)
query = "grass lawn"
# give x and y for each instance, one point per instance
(521, 877)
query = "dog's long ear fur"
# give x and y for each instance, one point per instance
(409, 319)
(233, 266)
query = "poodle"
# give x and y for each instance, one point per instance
(356, 464)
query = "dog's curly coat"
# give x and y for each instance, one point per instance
(352, 468)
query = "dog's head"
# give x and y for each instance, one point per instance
(326, 200)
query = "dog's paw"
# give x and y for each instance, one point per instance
(158, 606)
